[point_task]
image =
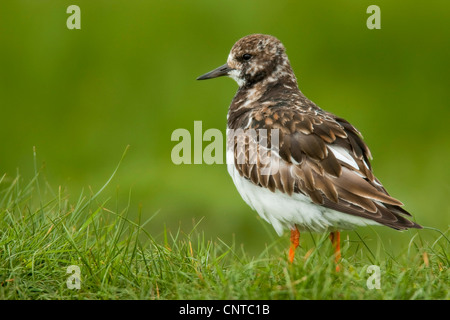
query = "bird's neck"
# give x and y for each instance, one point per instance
(268, 92)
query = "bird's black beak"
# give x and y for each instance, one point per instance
(219, 72)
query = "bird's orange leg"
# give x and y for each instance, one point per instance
(295, 239)
(335, 238)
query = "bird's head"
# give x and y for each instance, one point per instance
(252, 59)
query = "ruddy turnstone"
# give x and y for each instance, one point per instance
(323, 181)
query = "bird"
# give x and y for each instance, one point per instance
(301, 168)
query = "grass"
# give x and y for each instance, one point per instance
(42, 233)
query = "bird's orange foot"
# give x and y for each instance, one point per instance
(295, 240)
(335, 238)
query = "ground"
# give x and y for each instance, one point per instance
(42, 234)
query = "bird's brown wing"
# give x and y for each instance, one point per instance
(319, 155)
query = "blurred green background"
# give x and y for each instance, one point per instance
(128, 78)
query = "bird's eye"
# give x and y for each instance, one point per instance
(247, 56)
